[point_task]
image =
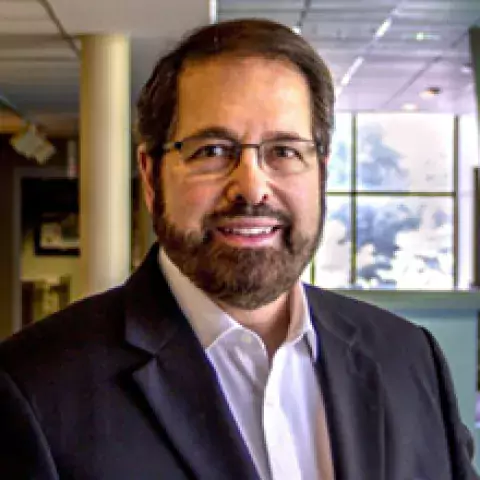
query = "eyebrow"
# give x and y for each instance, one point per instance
(228, 134)
(215, 132)
(283, 135)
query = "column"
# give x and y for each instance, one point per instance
(105, 151)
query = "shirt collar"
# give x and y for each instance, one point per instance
(210, 322)
(300, 320)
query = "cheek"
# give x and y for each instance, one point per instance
(187, 203)
(304, 202)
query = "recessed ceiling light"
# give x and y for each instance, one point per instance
(425, 36)
(297, 29)
(430, 92)
(409, 107)
(466, 68)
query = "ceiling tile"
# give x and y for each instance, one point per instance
(263, 5)
(27, 27)
(14, 10)
(287, 18)
(23, 47)
(353, 4)
(457, 11)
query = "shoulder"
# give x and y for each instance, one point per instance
(382, 333)
(94, 320)
(363, 313)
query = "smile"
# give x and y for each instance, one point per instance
(248, 232)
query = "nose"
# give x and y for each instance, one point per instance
(248, 183)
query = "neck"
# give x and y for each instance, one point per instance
(270, 322)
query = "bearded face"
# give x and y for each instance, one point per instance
(242, 277)
(243, 236)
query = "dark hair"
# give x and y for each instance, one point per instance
(157, 104)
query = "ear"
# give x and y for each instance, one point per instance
(145, 167)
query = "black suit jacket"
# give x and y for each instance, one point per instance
(118, 387)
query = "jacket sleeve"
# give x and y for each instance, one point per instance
(24, 452)
(460, 441)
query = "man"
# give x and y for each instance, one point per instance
(213, 362)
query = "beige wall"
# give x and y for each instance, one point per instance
(50, 268)
(7, 256)
(10, 235)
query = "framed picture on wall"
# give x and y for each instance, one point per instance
(57, 233)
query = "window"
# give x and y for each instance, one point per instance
(396, 193)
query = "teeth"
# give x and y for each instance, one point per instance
(249, 232)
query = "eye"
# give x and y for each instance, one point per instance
(288, 152)
(212, 151)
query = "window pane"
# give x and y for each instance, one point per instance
(332, 260)
(468, 155)
(405, 242)
(340, 162)
(405, 152)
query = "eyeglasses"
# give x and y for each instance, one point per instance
(219, 157)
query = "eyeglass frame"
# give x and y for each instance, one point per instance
(239, 147)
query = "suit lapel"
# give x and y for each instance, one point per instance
(179, 383)
(182, 391)
(353, 395)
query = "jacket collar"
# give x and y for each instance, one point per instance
(352, 389)
(179, 383)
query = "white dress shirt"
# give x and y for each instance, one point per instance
(275, 404)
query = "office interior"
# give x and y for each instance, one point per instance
(402, 228)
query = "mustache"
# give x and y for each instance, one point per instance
(245, 210)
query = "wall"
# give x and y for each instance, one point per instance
(10, 240)
(34, 267)
(452, 317)
(7, 259)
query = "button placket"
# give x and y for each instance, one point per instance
(278, 439)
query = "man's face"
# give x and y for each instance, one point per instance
(243, 238)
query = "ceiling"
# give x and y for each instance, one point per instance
(40, 47)
(426, 45)
(397, 66)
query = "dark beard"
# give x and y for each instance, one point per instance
(246, 278)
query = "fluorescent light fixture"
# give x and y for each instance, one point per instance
(384, 27)
(351, 71)
(409, 107)
(420, 36)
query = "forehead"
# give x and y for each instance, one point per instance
(247, 95)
